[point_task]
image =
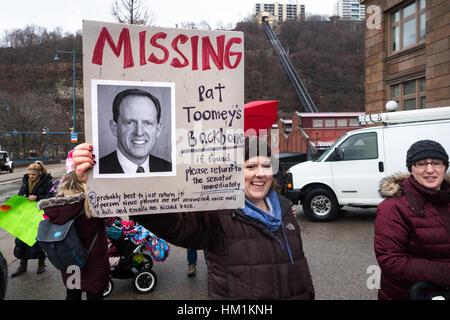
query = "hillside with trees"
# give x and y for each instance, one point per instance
(36, 91)
(329, 58)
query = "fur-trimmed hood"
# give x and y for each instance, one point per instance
(390, 186)
(60, 201)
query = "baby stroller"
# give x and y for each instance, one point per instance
(132, 249)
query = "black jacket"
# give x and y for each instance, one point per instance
(41, 189)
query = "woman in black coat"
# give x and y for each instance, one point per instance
(36, 185)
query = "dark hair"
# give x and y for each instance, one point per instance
(134, 92)
(255, 146)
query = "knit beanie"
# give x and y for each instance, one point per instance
(424, 149)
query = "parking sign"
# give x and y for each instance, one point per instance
(74, 137)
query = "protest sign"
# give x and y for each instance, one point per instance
(20, 217)
(175, 94)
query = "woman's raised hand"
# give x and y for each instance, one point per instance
(83, 160)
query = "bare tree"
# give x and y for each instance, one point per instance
(203, 25)
(131, 12)
(221, 26)
(23, 38)
(28, 112)
(188, 25)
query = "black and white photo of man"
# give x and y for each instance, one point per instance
(137, 126)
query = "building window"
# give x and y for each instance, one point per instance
(317, 123)
(353, 123)
(330, 123)
(341, 122)
(410, 94)
(408, 26)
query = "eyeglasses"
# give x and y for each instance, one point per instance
(424, 164)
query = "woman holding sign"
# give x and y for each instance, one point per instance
(36, 185)
(252, 253)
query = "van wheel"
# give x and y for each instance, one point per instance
(11, 169)
(320, 205)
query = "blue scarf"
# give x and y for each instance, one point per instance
(271, 222)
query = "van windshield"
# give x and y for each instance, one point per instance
(327, 152)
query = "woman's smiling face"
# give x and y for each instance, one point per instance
(258, 177)
(429, 172)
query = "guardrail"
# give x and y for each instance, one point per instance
(18, 163)
(29, 160)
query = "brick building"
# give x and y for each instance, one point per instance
(313, 132)
(407, 53)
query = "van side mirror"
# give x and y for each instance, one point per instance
(289, 184)
(338, 154)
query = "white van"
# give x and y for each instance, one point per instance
(6, 163)
(350, 171)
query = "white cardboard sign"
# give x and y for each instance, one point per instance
(195, 140)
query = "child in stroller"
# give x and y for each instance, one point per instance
(132, 249)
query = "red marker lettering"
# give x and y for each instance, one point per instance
(153, 58)
(124, 41)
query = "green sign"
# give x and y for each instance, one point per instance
(20, 217)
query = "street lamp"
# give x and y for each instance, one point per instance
(74, 96)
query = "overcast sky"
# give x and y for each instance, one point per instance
(69, 14)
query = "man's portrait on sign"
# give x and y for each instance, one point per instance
(133, 132)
